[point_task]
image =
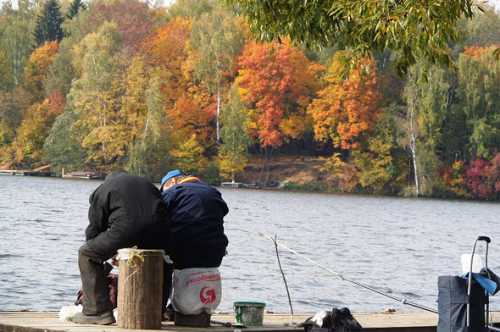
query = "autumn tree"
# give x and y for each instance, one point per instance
(61, 71)
(6, 79)
(166, 49)
(345, 109)
(37, 121)
(427, 95)
(37, 68)
(478, 99)
(235, 141)
(189, 156)
(216, 40)
(190, 111)
(16, 33)
(191, 117)
(133, 104)
(12, 107)
(276, 83)
(100, 125)
(380, 161)
(483, 178)
(148, 155)
(49, 23)
(454, 179)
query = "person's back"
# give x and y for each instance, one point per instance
(124, 211)
(196, 211)
(197, 242)
(127, 207)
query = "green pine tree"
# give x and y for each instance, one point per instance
(48, 25)
(74, 8)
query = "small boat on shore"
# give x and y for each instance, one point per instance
(236, 185)
(232, 185)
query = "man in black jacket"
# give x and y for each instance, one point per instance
(124, 211)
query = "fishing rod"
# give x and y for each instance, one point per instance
(357, 283)
(342, 277)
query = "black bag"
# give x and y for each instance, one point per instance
(337, 320)
(452, 305)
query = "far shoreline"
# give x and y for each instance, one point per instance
(300, 189)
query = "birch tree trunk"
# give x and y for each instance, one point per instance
(218, 114)
(413, 149)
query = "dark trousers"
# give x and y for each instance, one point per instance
(94, 282)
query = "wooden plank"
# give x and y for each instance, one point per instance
(378, 322)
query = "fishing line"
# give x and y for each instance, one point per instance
(342, 277)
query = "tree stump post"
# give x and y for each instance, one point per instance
(140, 288)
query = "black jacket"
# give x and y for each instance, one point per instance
(125, 211)
(196, 211)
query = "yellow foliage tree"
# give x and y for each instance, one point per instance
(233, 150)
(94, 96)
(189, 156)
(133, 105)
(373, 164)
(35, 126)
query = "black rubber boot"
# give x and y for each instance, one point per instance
(168, 314)
(106, 318)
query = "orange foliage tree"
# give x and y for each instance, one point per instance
(167, 49)
(37, 67)
(191, 116)
(189, 108)
(35, 126)
(346, 108)
(276, 82)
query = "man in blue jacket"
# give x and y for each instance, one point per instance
(195, 211)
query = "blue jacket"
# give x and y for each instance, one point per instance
(195, 213)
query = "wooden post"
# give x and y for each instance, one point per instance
(140, 288)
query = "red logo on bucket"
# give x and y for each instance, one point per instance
(207, 295)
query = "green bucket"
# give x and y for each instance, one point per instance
(249, 313)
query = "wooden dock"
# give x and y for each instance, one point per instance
(44, 170)
(395, 322)
(25, 172)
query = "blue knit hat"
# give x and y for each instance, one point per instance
(170, 175)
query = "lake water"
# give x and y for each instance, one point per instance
(397, 245)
